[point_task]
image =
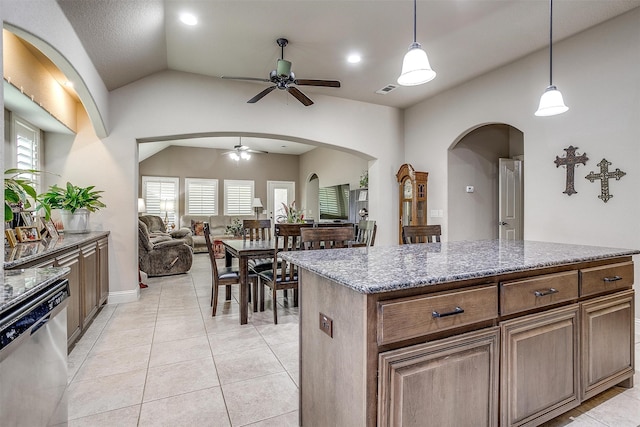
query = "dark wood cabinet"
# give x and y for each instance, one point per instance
(90, 279)
(103, 270)
(71, 259)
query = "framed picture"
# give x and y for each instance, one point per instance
(10, 237)
(362, 197)
(27, 219)
(40, 223)
(27, 234)
(51, 228)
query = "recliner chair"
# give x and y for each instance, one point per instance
(162, 255)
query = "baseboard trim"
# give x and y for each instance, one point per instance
(120, 297)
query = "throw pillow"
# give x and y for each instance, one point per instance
(197, 227)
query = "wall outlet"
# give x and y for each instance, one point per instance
(326, 325)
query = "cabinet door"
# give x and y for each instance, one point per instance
(540, 366)
(607, 342)
(103, 270)
(72, 260)
(449, 382)
(89, 282)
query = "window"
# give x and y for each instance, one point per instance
(27, 148)
(161, 196)
(238, 196)
(201, 196)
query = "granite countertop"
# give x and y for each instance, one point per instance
(382, 269)
(21, 284)
(24, 253)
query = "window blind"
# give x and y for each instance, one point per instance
(201, 196)
(155, 190)
(238, 196)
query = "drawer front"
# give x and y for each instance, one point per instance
(406, 318)
(606, 278)
(537, 292)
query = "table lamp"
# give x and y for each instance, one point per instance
(166, 205)
(256, 205)
(142, 207)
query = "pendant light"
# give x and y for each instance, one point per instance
(551, 102)
(415, 67)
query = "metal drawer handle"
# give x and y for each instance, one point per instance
(543, 293)
(456, 310)
(612, 279)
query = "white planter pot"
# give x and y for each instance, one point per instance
(77, 222)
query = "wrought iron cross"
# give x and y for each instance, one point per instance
(604, 176)
(570, 161)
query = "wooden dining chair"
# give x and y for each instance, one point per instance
(326, 237)
(257, 229)
(282, 275)
(421, 233)
(366, 235)
(225, 276)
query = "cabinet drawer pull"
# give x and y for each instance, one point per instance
(543, 293)
(612, 279)
(456, 310)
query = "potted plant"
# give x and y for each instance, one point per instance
(75, 204)
(19, 193)
(291, 214)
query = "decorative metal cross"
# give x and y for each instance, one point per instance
(570, 161)
(604, 176)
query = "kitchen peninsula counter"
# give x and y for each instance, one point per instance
(461, 333)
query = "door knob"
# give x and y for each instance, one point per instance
(502, 223)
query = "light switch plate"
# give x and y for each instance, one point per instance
(326, 324)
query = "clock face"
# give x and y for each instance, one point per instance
(408, 189)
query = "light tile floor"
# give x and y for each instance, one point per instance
(164, 361)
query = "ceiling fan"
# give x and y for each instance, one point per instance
(284, 79)
(242, 152)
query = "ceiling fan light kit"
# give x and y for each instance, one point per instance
(284, 79)
(551, 101)
(416, 69)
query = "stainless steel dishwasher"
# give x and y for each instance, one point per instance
(33, 358)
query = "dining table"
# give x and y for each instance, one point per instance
(244, 250)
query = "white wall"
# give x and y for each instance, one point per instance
(597, 72)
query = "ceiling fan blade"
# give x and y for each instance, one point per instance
(261, 95)
(257, 151)
(300, 96)
(327, 83)
(253, 79)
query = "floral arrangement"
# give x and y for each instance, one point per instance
(235, 228)
(291, 215)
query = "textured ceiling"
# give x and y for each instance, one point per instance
(130, 39)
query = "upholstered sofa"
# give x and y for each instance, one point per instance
(161, 255)
(217, 226)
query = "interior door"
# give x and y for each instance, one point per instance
(510, 216)
(279, 192)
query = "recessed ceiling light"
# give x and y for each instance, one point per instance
(188, 19)
(354, 58)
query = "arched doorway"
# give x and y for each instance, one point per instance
(473, 180)
(312, 200)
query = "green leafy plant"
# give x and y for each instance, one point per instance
(235, 228)
(291, 215)
(72, 198)
(20, 192)
(364, 179)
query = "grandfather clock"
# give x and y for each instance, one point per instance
(413, 197)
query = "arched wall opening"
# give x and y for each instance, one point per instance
(473, 179)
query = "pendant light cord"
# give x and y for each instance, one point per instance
(550, 42)
(415, 12)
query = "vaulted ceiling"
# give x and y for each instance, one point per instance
(128, 40)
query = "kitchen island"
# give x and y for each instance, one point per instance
(461, 333)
